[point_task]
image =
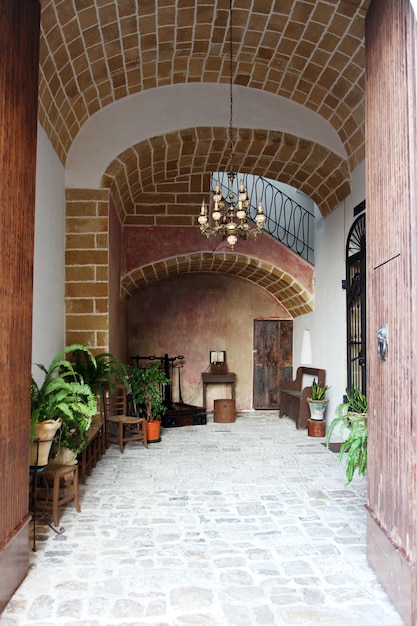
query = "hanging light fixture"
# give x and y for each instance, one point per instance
(229, 218)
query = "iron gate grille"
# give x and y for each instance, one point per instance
(356, 304)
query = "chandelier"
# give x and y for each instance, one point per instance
(228, 217)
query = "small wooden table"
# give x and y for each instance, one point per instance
(212, 379)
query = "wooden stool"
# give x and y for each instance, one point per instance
(65, 486)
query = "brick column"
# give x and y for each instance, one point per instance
(87, 268)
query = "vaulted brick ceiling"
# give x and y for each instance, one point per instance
(97, 52)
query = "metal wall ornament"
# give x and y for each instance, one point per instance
(382, 336)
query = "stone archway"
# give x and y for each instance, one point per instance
(279, 282)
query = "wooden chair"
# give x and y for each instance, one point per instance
(121, 428)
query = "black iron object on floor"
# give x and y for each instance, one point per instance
(181, 414)
(36, 473)
(177, 413)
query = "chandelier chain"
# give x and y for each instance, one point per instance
(228, 218)
(231, 86)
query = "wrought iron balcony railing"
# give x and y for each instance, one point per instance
(286, 220)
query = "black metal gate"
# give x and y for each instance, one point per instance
(356, 304)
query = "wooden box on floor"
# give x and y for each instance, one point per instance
(224, 411)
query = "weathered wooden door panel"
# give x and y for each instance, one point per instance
(285, 353)
(19, 60)
(272, 361)
(391, 233)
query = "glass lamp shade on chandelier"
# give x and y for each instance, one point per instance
(229, 218)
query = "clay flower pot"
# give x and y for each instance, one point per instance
(153, 431)
(65, 456)
(41, 447)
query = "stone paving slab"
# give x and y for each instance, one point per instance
(245, 524)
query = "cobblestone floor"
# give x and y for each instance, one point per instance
(243, 524)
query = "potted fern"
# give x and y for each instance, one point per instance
(352, 419)
(318, 401)
(99, 372)
(63, 398)
(147, 391)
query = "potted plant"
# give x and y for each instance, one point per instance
(352, 416)
(317, 401)
(99, 372)
(64, 397)
(147, 391)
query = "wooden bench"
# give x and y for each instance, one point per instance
(294, 395)
(92, 453)
(95, 446)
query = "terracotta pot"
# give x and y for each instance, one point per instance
(316, 428)
(153, 431)
(40, 449)
(65, 456)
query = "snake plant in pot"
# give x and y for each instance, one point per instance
(318, 401)
(352, 422)
(64, 399)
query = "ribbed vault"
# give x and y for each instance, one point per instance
(278, 282)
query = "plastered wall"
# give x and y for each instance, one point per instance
(192, 314)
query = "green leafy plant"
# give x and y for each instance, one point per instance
(317, 391)
(352, 417)
(147, 387)
(63, 393)
(356, 402)
(99, 372)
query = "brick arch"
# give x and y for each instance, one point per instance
(161, 180)
(284, 287)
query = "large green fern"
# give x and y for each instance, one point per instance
(101, 372)
(352, 420)
(63, 393)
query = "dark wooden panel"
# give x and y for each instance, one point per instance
(265, 364)
(392, 295)
(13, 562)
(19, 43)
(272, 359)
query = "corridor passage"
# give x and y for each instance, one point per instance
(243, 524)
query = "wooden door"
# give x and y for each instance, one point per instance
(19, 60)
(272, 361)
(391, 261)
